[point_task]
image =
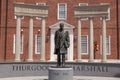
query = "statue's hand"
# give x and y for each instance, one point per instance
(66, 44)
(57, 46)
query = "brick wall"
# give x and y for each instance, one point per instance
(2, 30)
(119, 26)
(52, 19)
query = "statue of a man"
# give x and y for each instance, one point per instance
(62, 42)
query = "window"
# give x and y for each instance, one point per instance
(62, 11)
(84, 44)
(108, 18)
(40, 4)
(107, 45)
(37, 44)
(21, 41)
(83, 4)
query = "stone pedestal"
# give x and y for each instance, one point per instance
(60, 73)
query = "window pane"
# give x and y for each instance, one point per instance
(107, 44)
(21, 41)
(38, 43)
(84, 44)
(107, 50)
(62, 11)
(62, 16)
(21, 44)
(62, 8)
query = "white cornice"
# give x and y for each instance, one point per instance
(66, 25)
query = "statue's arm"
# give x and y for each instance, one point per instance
(55, 40)
(67, 39)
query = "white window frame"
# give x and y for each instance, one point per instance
(22, 45)
(108, 18)
(40, 3)
(106, 45)
(83, 19)
(65, 12)
(87, 45)
(36, 44)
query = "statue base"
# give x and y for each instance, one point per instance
(60, 73)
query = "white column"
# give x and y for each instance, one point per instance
(52, 55)
(43, 41)
(17, 42)
(30, 41)
(79, 42)
(91, 41)
(70, 49)
(103, 40)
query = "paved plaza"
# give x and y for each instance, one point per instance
(75, 78)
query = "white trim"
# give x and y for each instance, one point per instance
(40, 3)
(108, 12)
(15, 17)
(87, 45)
(21, 44)
(22, 17)
(70, 49)
(86, 4)
(56, 25)
(65, 12)
(52, 55)
(106, 45)
(38, 18)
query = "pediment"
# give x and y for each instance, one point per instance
(66, 25)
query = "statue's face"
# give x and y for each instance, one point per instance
(61, 27)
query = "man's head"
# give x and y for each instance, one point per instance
(61, 26)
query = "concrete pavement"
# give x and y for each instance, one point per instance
(46, 78)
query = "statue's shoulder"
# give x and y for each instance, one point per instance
(56, 31)
(66, 32)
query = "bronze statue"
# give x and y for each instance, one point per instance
(62, 42)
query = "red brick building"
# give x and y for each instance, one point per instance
(59, 10)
